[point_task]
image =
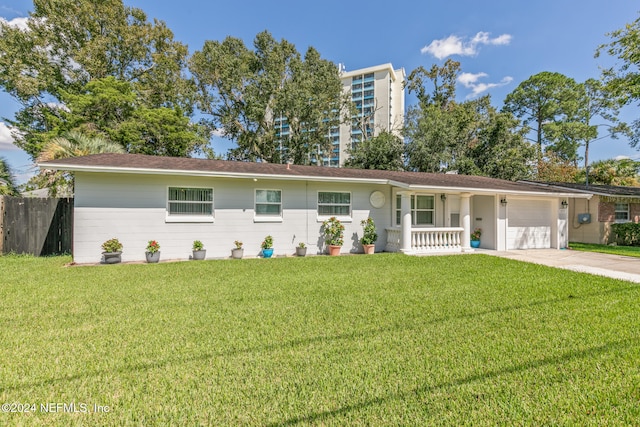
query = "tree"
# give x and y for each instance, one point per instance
(72, 48)
(443, 79)
(383, 152)
(502, 151)
(615, 172)
(7, 180)
(623, 81)
(553, 168)
(275, 105)
(73, 144)
(547, 104)
(598, 110)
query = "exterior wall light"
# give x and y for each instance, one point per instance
(503, 202)
(564, 204)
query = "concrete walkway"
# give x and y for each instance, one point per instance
(614, 266)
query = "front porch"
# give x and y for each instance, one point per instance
(426, 240)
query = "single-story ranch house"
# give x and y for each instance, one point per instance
(137, 198)
(591, 218)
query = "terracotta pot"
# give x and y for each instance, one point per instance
(334, 250)
(369, 249)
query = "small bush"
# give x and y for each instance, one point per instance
(627, 234)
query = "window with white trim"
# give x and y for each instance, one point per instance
(422, 210)
(622, 212)
(333, 203)
(190, 202)
(268, 203)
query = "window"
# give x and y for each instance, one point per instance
(334, 203)
(622, 211)
(185, 203)
(268, 203)
(422, 210)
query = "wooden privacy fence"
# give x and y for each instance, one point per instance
(36, 226)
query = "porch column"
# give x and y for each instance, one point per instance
(405, 215)
(465, 213)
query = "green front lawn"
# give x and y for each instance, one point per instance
(369, 340)
(606, 249)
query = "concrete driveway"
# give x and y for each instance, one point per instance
(615, 266)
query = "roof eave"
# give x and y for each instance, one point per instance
(209, 174)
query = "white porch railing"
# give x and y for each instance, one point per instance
(426, 240)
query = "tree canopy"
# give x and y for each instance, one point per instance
(471, 137)
(92, 65)
(276, 105)
(383, 152)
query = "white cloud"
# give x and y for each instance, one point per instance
(6, 139)
(471, 81)
(20, 23)
(454, 45)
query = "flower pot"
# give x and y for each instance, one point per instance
(152, 257)
(267, 253)
(475, 243)
(112, 257)
(301, 251)
(199, 255)
(334, 250)
(369, 249)
(237, 253)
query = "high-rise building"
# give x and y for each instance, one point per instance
(378, 96)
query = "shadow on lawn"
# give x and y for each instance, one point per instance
(557, 360)
(312, 340)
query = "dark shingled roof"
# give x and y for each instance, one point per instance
(608, 190)
(140, 162)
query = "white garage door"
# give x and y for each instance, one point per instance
(529, 224)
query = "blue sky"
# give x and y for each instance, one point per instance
(499, 43)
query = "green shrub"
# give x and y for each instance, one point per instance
(627, 234)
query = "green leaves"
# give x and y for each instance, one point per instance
(275, 104)
(92, 66)
(383, 152)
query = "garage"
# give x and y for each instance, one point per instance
(529, 224)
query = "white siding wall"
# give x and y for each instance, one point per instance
(484, 217)
(132, 208)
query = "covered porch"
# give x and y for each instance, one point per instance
(429, 222)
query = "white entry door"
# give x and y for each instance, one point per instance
(529, 224)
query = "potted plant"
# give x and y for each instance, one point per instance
(475, 238)
(267, 247)
(369, 236)
(153, 251)
(237, 252)
(333, 236)
(301, 249)
(112, 251)
(199, 253)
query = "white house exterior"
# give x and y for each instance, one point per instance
(137, 198)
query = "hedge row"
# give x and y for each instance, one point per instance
(627, 234)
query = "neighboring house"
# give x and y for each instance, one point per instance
(137, 198)
(591, 219)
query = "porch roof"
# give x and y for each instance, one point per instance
(439, 182)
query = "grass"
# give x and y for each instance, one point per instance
(632, 251)
(354, 340)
